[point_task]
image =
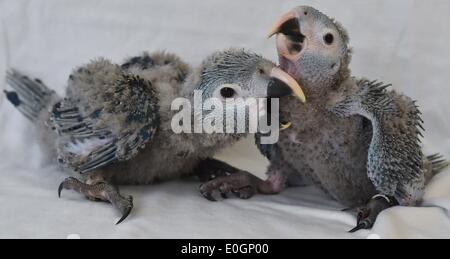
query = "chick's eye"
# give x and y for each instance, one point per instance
(328, 38)
(227, 92)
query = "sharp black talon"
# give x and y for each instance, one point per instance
(362, 225)
(60, 188)
(125, 215)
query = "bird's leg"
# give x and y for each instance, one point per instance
(243, 184)
(100, 190)
(368, 214)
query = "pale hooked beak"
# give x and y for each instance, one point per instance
(276, 27)
(284, 84)
(290, 40)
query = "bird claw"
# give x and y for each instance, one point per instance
(239, 184)
(126, 212)
(368, 214)
(67, 184)
(365, 219)
(60, 188)
(100, 191)
(207, 195)
(125, 215)
(359, 226)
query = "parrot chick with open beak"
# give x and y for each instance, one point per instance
(114, 124)
(354, 138)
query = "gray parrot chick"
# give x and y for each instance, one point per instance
(356, 140)
(114, 124)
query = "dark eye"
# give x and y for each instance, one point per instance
(227, 92)
(261, 71)
(328, 38)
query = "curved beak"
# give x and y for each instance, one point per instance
(276, 27)
(283, 84)
(290, 40)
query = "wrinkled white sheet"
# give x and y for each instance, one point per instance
(403, 42)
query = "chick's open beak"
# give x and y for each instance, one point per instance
(290, 39)
(283, 84)
(276, 27)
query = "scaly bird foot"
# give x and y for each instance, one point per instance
(100, 191)
(368, 214)
(242, 184)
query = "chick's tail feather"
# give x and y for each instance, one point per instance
(30, 97)
(437, 163)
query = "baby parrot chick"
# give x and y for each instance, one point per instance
(355, 139)
(114, 124)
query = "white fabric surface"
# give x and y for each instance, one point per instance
(403, 42)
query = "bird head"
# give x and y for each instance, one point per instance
(238, 75)
(312, 47)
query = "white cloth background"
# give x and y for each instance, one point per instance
(402, 42)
